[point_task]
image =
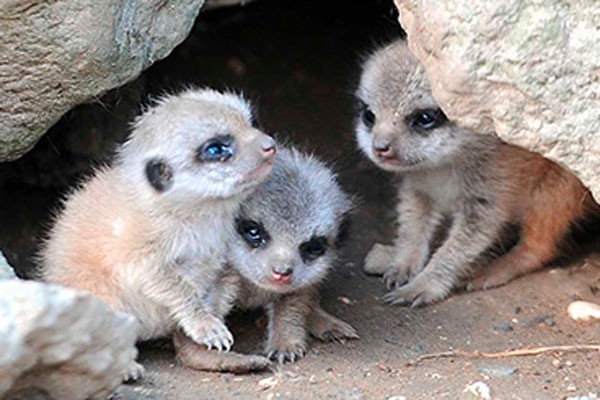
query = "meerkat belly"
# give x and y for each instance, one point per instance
(251, 296)
(440, 187)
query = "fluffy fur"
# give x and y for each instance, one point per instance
(300, 204)
(479, 181)
(151, 241)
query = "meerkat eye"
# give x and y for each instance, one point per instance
(252, 232)
(427, 119)
(366, 115)
(220, 148)
(313, 249)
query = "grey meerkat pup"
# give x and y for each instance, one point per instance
(479, 181)
(285, 247)
(148, 235)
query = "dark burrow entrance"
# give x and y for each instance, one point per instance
(299, 61)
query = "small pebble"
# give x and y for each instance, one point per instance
(396, 398)
(498, 371)
(480, 390)
(503, 327)
(417, 348)
(583, 310)
(589, 396)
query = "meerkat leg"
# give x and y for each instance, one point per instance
(287, 335)
(408, 255)
(537, 247)
(198, 357)
(472, 232)
(326, 327)
(171, 289)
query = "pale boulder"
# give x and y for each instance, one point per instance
(62, 343)
(528, 70)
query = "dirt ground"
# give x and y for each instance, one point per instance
(300, 62)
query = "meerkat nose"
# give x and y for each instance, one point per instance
(282, 274)
(268, 145)
(382, 147)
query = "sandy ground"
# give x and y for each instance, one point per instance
(300, 62)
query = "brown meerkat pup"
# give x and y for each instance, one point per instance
(148, 235)
(286, 245)
(479, 181)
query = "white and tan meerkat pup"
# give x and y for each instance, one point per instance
(286, 245)
(148, 234)
(479, 181)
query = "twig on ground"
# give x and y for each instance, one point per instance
(522, 352)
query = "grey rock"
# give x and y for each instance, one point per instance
(67, 344)
(57, 54)
(525, 70)
(502, 327)
(498, 370)
(6, 271)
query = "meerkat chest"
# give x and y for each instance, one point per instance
(441, 188)
(198, 250)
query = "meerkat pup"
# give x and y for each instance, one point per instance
(285, 246)
(148, 235)
(479, 181)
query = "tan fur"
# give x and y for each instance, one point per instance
(478, 181)
(153, 243)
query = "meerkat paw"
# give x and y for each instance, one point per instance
(490, 280)
(328, 328)
(286, 351)
(379, 259)
(210, 331)
(417, 293)
(396, 276)
(135, 372)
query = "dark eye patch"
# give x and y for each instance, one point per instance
(217, 149)
(159, 174)
(426, 119)
(313, 248)
(253, 233)
(367, 116)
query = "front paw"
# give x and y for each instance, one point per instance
(396, 276)
(135, 372)
(379, 259)
(329, 329)
(210, 331)
(286, 351)
(419, 292)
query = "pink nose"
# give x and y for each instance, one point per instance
(268, 146)
(283, 275)
(382, 148)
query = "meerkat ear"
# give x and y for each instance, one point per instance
(159, 174)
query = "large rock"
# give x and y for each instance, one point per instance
(6, 271)
(57, 54)
(64, 344)
(528, 70)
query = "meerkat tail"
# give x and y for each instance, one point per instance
(198, 357)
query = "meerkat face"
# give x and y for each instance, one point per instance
(399, 126)
(200, 144)
(287, 229)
